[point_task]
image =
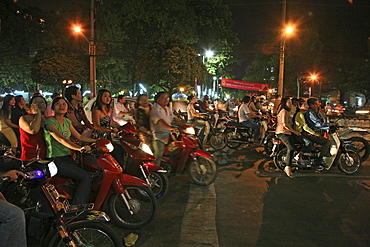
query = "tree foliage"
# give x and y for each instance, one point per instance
(54, 64)
(359, 80)
(168, 64)
(126, 29)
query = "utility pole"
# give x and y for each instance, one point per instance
(92, 51)
(282, 50)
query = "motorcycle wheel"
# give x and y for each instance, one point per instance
(280, 159)
(230, 136)
(349, 162)
(203, 171)
(361, 146)
(142, 202)
(159, 184)
(268, 144)
(88, 234)
(218, 141)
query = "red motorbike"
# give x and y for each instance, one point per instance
(138, 157)
(128, 200)
(185, 152)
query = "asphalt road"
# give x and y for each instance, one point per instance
(253, 204)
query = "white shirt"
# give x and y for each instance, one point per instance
(243, 113)
(117, 112)
(157, 113)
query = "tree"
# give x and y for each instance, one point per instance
(125, 29)
(169, 64)
(54, 64)
(359, 80)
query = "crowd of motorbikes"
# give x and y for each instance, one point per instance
(127, 193)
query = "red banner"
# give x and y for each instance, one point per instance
(244, 85)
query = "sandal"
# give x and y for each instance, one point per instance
(288, 172)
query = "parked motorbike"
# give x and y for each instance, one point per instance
(347, 159)
(50, 218)
(138, 157)
(128, 200)
(185, 153)
(238, 134)
(358, 143)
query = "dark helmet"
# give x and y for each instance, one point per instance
(206, 97)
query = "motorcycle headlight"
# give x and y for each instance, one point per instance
(189, 130)
(110, 147)
(145, 148)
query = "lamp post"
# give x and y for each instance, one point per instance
(92, 50)
(284, 35)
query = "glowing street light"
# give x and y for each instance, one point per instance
(288, 31)
(92, 54)
(181, 89)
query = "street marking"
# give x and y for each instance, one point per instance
(199, 222)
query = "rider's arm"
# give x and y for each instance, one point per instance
(162, 123)
(30, 124)
(9, 123)
(54, 132)
(316, 120)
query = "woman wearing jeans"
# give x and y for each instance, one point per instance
(58, 131)
(288, 135)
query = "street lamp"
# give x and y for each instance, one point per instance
(92, 54)
(314, 78)
(284, 36)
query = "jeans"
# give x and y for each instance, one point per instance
(256, 128)
(289, 143)
(13, 225)
(158, 150)
(67, 168)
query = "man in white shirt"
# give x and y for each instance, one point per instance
(243, 115)
(161, 118)
(120, 113)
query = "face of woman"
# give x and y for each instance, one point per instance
(289, 103)
(78, 96)
(143, 101)
(193, 100)
(12, 102)
(106, 98)
(60, 107)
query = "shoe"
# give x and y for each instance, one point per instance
(288, 172)
(321, 162)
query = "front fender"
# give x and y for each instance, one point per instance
(124, 179)
(201, 153)
(151, 167)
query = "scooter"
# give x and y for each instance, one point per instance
(138, 157)
(184, 153)
(51, 218)
(128, 200)
(347, 159)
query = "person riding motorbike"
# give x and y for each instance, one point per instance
(300, 125)
(12, 218)
(314, 120)
(196, 119)
(161, 118)
(245, 119)
(58, 131)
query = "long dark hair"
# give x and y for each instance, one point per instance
(283, 104)
(6, 109)
(98, 103)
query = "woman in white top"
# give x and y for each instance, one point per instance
(196, 120)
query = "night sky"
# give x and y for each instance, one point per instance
(254, 20)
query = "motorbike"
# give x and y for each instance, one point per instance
(358, 143)
(347, 159)
(128, 200)
(51, 221)
(184, 153)
(238, 134)
(138, 157)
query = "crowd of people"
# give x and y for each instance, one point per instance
(51, 131)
